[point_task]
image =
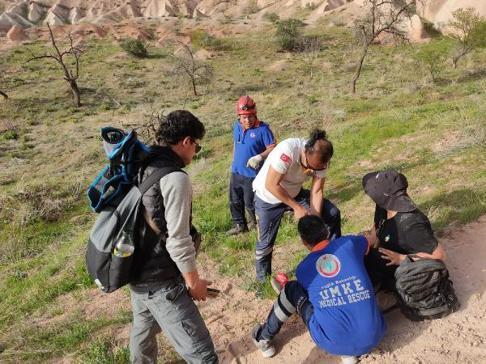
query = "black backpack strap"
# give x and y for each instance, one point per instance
(154, 177)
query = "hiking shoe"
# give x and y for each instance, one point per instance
(279, 281)
(265, 346)
(237, 229)
(345, 359)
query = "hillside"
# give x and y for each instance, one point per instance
(434, 132)
(26, 14)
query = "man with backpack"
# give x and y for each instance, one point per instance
(332, 294)
(252, 142)
(166, 280)
(409, 259)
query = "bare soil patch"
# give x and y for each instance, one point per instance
(460, 337)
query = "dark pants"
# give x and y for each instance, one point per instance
(241, 196)
(293, 298)
(379, 272)
(269, 217)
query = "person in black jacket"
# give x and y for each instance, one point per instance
(399, 226)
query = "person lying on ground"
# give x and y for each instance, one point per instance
(278, 188)
(400, 228)
(333, 294)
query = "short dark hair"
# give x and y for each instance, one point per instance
(178, 125)
(312, 229)
(318, 143)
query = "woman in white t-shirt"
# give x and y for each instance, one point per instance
(278, 188)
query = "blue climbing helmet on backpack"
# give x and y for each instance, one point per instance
(126, 155)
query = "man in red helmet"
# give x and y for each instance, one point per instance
(253, 141)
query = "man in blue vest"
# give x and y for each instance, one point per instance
(333, 294)
(252, 142)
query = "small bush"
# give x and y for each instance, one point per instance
(10, 135)
(289, 33)
(308, 43)
(252, 7)
(433, 56)
(134, 47)
(202, 39)
(271, 17)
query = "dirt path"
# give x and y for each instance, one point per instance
(459, 338)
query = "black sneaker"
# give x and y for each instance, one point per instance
(237, 229)
(265, 346)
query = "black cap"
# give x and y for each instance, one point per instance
(389, 190)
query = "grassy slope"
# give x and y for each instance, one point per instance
(435, 134)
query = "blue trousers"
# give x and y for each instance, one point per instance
(269, 217)
(241, 196)
(293, 298)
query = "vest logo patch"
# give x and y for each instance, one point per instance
(285, 158)
(252, 135)
(328, 265)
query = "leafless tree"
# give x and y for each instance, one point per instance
(311, 47)
(69, 69)
(381, 17)
(148, 129)
(196, 72)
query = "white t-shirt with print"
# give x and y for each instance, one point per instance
(285, 159)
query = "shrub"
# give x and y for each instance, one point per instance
(10, 135)
(308, 43)
(202, 39)
(134, 47)
(433, 56)
(289, 33)
(252, 7)
(271, 17)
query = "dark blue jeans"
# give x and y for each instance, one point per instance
(269, 217)
(293, 298)
(241, 196)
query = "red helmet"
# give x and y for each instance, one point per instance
(245, 106)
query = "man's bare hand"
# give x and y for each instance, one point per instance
(199, 289)
(300, 212)
(393, 258)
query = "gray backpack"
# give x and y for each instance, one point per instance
(424, 289)
(112, 244)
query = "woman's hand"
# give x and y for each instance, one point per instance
(393, 258)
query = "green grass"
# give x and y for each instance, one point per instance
(435, 134)
(105, 352)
